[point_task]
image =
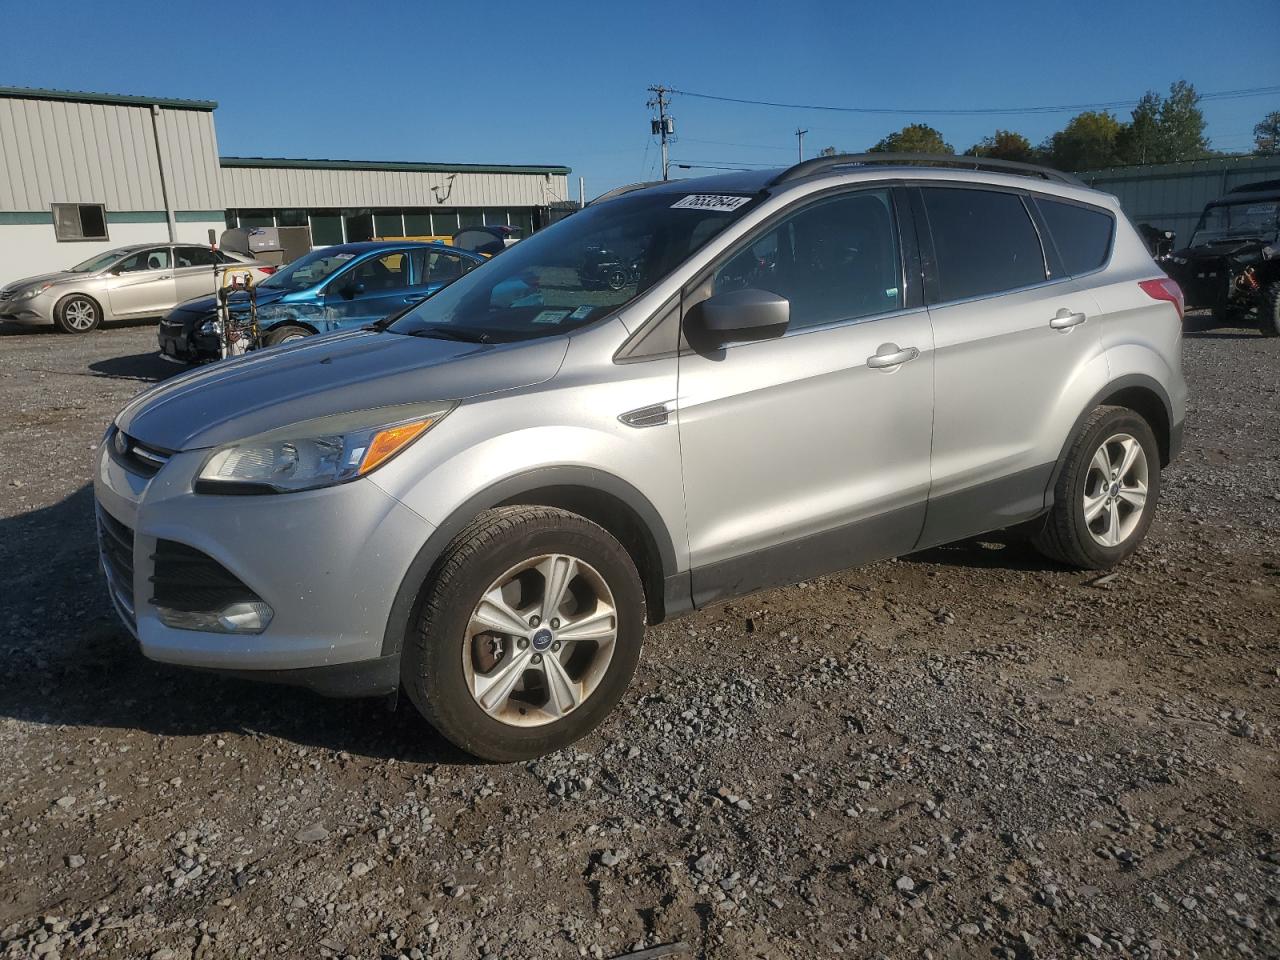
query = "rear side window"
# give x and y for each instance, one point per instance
(1081, 234)
(984, 242)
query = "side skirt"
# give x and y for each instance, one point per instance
(988, 506)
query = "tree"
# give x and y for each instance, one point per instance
(1004, 145)
(1266, 135)
(914, 138)
(1139, 140)
(1181, 126)
(828, 152)
(1087, 142)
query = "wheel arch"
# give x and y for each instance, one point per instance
(291, 322)
(1138, 392)
(96, 301)
(604, 499)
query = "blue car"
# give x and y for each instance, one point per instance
(333, 288)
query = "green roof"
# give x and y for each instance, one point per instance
(119, 99)
(279, 162)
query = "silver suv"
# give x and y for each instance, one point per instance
(485, 498)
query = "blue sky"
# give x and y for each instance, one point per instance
(492, 81)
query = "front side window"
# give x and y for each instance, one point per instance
(157, 259)
(1081, 234)
(387, 272)
(306, 272)
(575, 272)
(835, 260)
(984, 242)
(436, 267)
(79, 221)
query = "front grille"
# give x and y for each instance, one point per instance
(115, 547)
(137, 457)
(187, 579)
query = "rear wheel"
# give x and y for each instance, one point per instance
(77, 313)
(529, 633)
(1269, 311)
(285, 333)
(1106, 492)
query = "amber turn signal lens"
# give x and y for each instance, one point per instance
(387, 443)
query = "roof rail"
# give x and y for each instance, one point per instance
(630, 187)
(808, 168)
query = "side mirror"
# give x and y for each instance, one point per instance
(739, 315)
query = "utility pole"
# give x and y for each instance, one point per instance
(664, 126)
(800, 143)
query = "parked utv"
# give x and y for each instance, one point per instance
(1232, 264)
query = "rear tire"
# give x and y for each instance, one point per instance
(1269, 311)
(455, 653)
(77, 313)
(1113, 463)
(285, 333)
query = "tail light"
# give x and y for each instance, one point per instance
(268, 270)
(1165, 289)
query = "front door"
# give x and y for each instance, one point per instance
(1011, 332)
(810, 452)
(434, 269)
(374, 288)
(143, 284)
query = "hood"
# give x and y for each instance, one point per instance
(209, 302)
(59, 276)
(344, 372)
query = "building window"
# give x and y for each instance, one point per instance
(387, 223)
(470, 218)
(495, 218)
(80, 221)
(291, 218)
(444, 223)
(524, 220)
(326, 228)
(417, 224)
(255, 218)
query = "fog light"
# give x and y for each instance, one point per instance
(236, 618)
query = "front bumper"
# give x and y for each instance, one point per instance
(180, 340)
(36, 311)
(329, 562)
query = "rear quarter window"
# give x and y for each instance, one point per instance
(1081, 234)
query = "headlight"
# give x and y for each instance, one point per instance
(1269, 252)
(211, 327)
(318, 453)
(34, 291)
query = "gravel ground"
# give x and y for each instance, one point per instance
(967, 752)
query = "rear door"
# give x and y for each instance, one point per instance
(373, 288)
(808, 453)
(1012, 331)
(193, 272)
(142, 284)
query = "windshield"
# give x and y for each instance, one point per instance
(100, 262)
(1237, 221)
(575, 272)
(306, 272)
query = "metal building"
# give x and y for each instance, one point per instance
(81, 173)
(1170, 196)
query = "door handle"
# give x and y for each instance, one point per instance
(890, 355)
(1065, 319)
(415, 298)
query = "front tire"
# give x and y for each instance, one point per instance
(285, 333)
(529, 633)
(1269, 311)
(76, 314)
(1106, 493)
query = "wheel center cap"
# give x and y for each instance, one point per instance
(1115, 488)
(542, 639)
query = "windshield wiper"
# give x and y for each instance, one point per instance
(461, 334)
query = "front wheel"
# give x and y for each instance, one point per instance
(529, 633)
(285, 333)
(1106, 492)
(1269, 311)
(77, 313)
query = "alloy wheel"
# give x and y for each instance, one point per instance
(539, 642)
(1115, 490)
(80, 314)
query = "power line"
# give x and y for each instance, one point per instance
(746, 146)
(975, 111)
